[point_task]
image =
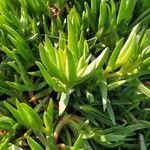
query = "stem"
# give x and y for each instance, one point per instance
(71, 119)
(59, 126)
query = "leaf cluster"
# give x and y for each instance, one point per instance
(74, 75)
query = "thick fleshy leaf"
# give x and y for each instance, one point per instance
(142, 142)
(141, 87)
(103, 87)
(111, 112)
(6, 123)
(92, 17)
(20, 68)
(116, 84)
(33, 144)
(80, 46)
(114, 55)
(50, 65)
(92, 67)
(125, 56)
(122, 11)
(8, 52)
(45, 74)
(51, 54)
(71, 66)
(129, 10)
(103, 11)
(62, 58)
(71, 36)
(14, 112)
(48, 117)
(128, 48)
(146, 52)
(29, 117)
(63, 102)
(20, 44)
(62, 40)
(17, 86)
(53, 82)
(145, 64)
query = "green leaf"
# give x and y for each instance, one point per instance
(141, 87)
(102, 17)
(75, 19)
(62, 40)
(145, 16)
(8, 52)
(17, 86)
(115, 138)
(128, 47)
(62, 58)
(13, 65)
(91, 17)
(145, 64)
(48, 117)
(40, 94)
(80, 46)
(34, 26)
(124, 58)
(72, 38)
(122, 12)
(20, 44)
(94, 65)
(81, 65)
(85, 50)
(78, 6)
(94, 7)
(103, 140)
(48, 121)
(46, 74)
(114, 55)
(116, 84)
(14, 112)
(111, 112)
(51, 54)
(14, 147)
(142, 142)
(6, 123)
(78, 142)
(33, 144)
(113, 8)
(129, 10)
(38, 86)
(20, 67)
(103, 87)
(7, 91)
(145, 53)
(53, 82)
(127, 130)
(85, 21)
(63, 102)
(71, 66)
(29, 117)
(89, 96)
(51, 66)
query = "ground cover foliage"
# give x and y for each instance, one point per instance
(74, 74)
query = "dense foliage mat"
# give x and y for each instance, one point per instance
(74, 74)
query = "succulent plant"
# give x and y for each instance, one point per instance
(74, 75)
